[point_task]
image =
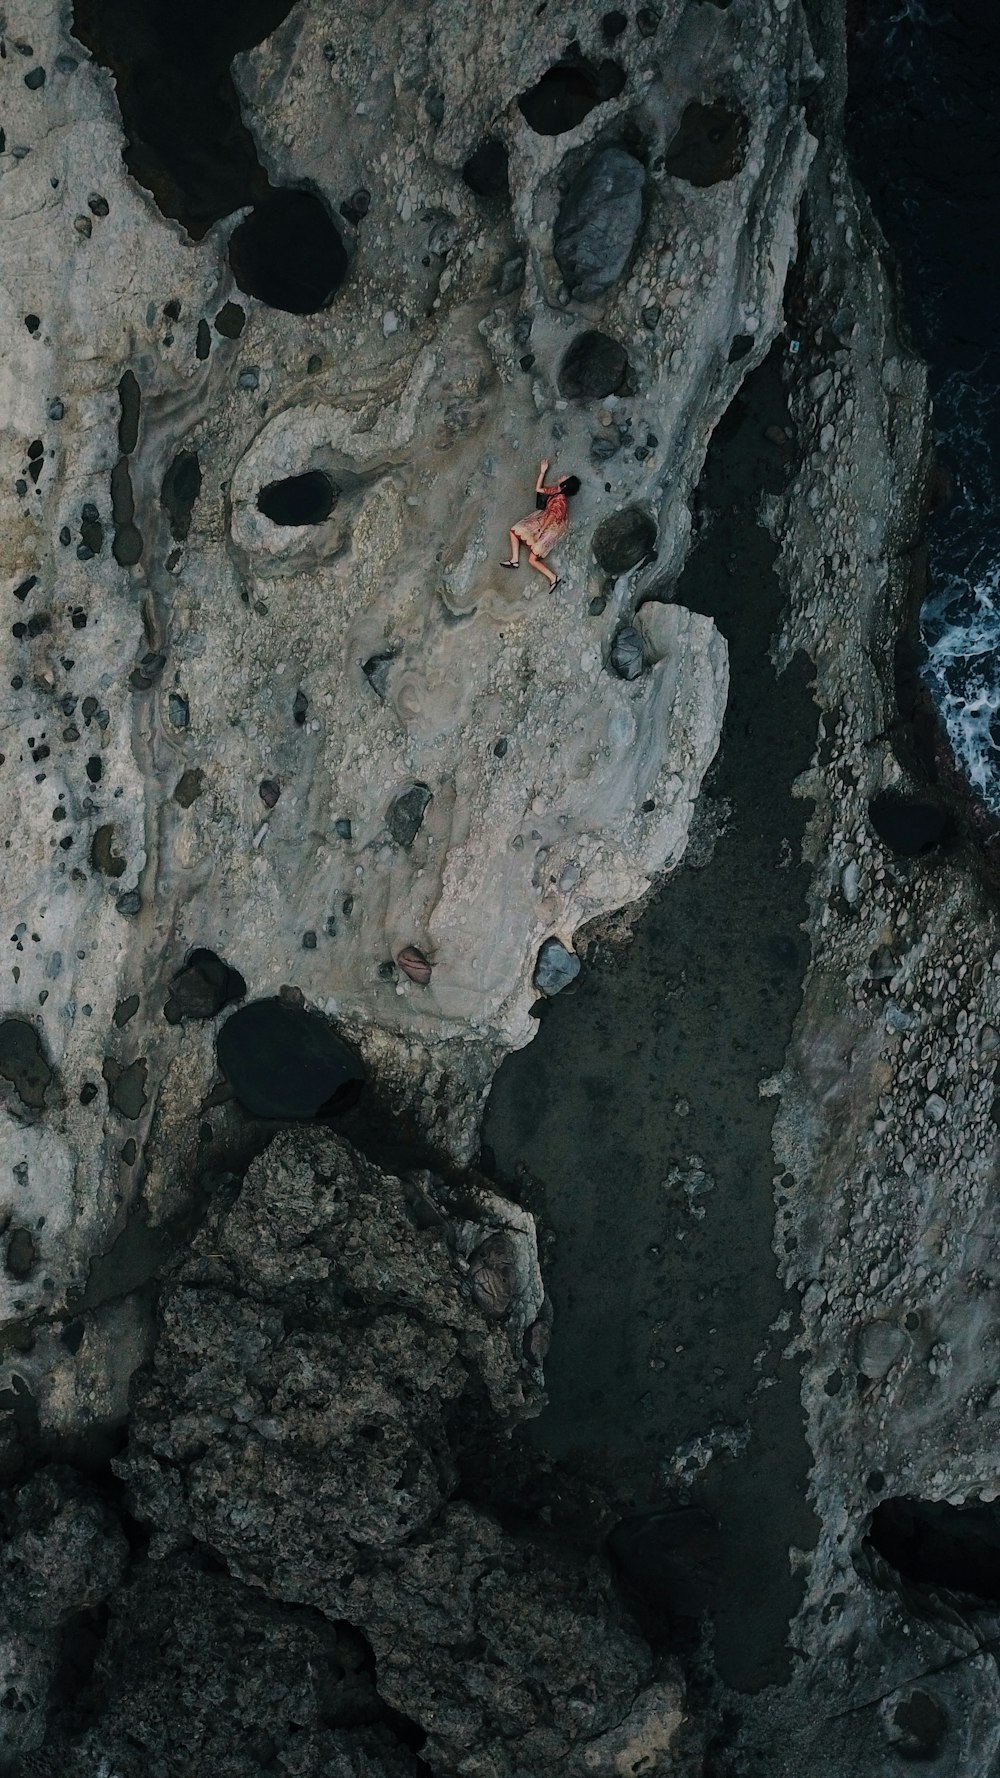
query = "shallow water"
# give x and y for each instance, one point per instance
(925, 80)
(636, 1109)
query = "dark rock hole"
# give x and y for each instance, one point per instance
(180, 490)
(567, 93)
(908, 825)
(289, 253)
(934, 1544)
(187, 144)
(305, 499)
(485, 171)
(709, 144)
(287, 1062)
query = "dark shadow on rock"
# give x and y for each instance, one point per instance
(568, 91)
(180, 490)
(594, 366)
(287, 1062)
(305, 499)
(709, 144)
(202, 988)
(933, 1544)
(624, 539)
(485, 171)
(289, 253)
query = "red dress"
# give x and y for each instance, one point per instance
(540, 530)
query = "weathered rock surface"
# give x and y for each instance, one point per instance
(197, 1674)
(324, 1357)
(223, 649)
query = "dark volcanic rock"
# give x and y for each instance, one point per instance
(624, 539)
(202, 1676)
(286, 1062)
(594, 366)
(514, 1656)
(406, 814)
(598, 222)
(321, 1341)
(202, 988)
(22, 1061)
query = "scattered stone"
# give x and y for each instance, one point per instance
(493, 1275)
(342, 827)
(104, 856)
(624, 539)
(126, 1009)
(189, 787)
(880, 1345)
(555, 967)
(598, 222)
(230, 321)
(178, 709)
(21, 1255)
(309, 941)
(628, 655)
(269, 792)
(406, 814)
(126, 1085)
(130, 902)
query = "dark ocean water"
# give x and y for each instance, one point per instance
(924, 133)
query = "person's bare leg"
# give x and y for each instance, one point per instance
(515, 551)
(536, 562)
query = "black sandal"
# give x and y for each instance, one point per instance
(557, 582)
(510, 564)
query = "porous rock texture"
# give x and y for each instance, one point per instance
(325, 1356)
(449, 764)
(146, 703)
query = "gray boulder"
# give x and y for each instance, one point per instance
(598, 222)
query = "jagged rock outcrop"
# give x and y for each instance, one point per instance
(325, 1356)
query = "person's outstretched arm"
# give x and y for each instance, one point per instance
(540, 487)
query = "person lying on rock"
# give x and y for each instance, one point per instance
(541, 529)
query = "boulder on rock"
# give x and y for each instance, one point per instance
(599, 221)
(594, 366)
(202, 988)
(555, 967)
(624, 539)
(709, 144)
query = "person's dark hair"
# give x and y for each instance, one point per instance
(570, 485)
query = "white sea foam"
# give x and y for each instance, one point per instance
(960, 621)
